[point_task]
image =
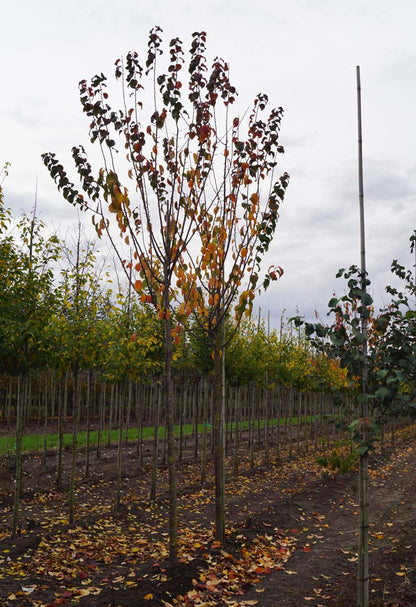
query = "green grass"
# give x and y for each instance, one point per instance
(34, 442)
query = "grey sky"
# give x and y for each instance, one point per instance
(303, 54)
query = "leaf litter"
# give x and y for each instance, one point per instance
(108, 556)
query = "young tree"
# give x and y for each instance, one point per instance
(388, 373)
(172, 155)
(27, 300)
(235, 226)
(394, 332)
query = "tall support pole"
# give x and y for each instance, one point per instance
(363, 568)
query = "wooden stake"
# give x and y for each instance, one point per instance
(363, 569)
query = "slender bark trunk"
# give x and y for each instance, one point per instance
(101, 418)
(286, 399)
(75, 414)
(307, 421)
(205, 395)
(266, 423)
(65, 411)
(363, 556)
(251, 427)
(237, 409)
(62, 388)
(9, 400)
(173, 522)
(290, 416)
(88, 406)
(155, 454)
(128, 413)
(195, 400)
(258, 402)
(278, 396)
(139, 415)
(118, 394)
(18, 475)
(110, 421)
(218, 447)
(45, 422)
(181, 422)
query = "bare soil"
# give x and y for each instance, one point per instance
(291, 534)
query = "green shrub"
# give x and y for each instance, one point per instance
(342, 458)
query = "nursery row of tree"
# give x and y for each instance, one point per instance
(73, 349)
(59, 313)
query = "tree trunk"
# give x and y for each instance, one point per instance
(9, 403)
(156, 410)
(291, 398)
(119, 393)
(173, 521)
(205, 395)
(218, 447)
(181, 422)
(128, 413)
(363, 554)
(18, 476)
(251, 427)
(299, 422)
(195, 410)
(237, 410)
(266, 422)
(45, 422)
(75, 416)
(139, 415)
(62, 390)
(88, 405)
(110, 421)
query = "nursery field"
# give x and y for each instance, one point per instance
(291, 533)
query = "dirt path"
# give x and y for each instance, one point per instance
(322, 570)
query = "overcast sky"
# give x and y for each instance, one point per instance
(303, 54)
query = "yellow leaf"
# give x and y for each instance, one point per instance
(148, 596)
(83, 592)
